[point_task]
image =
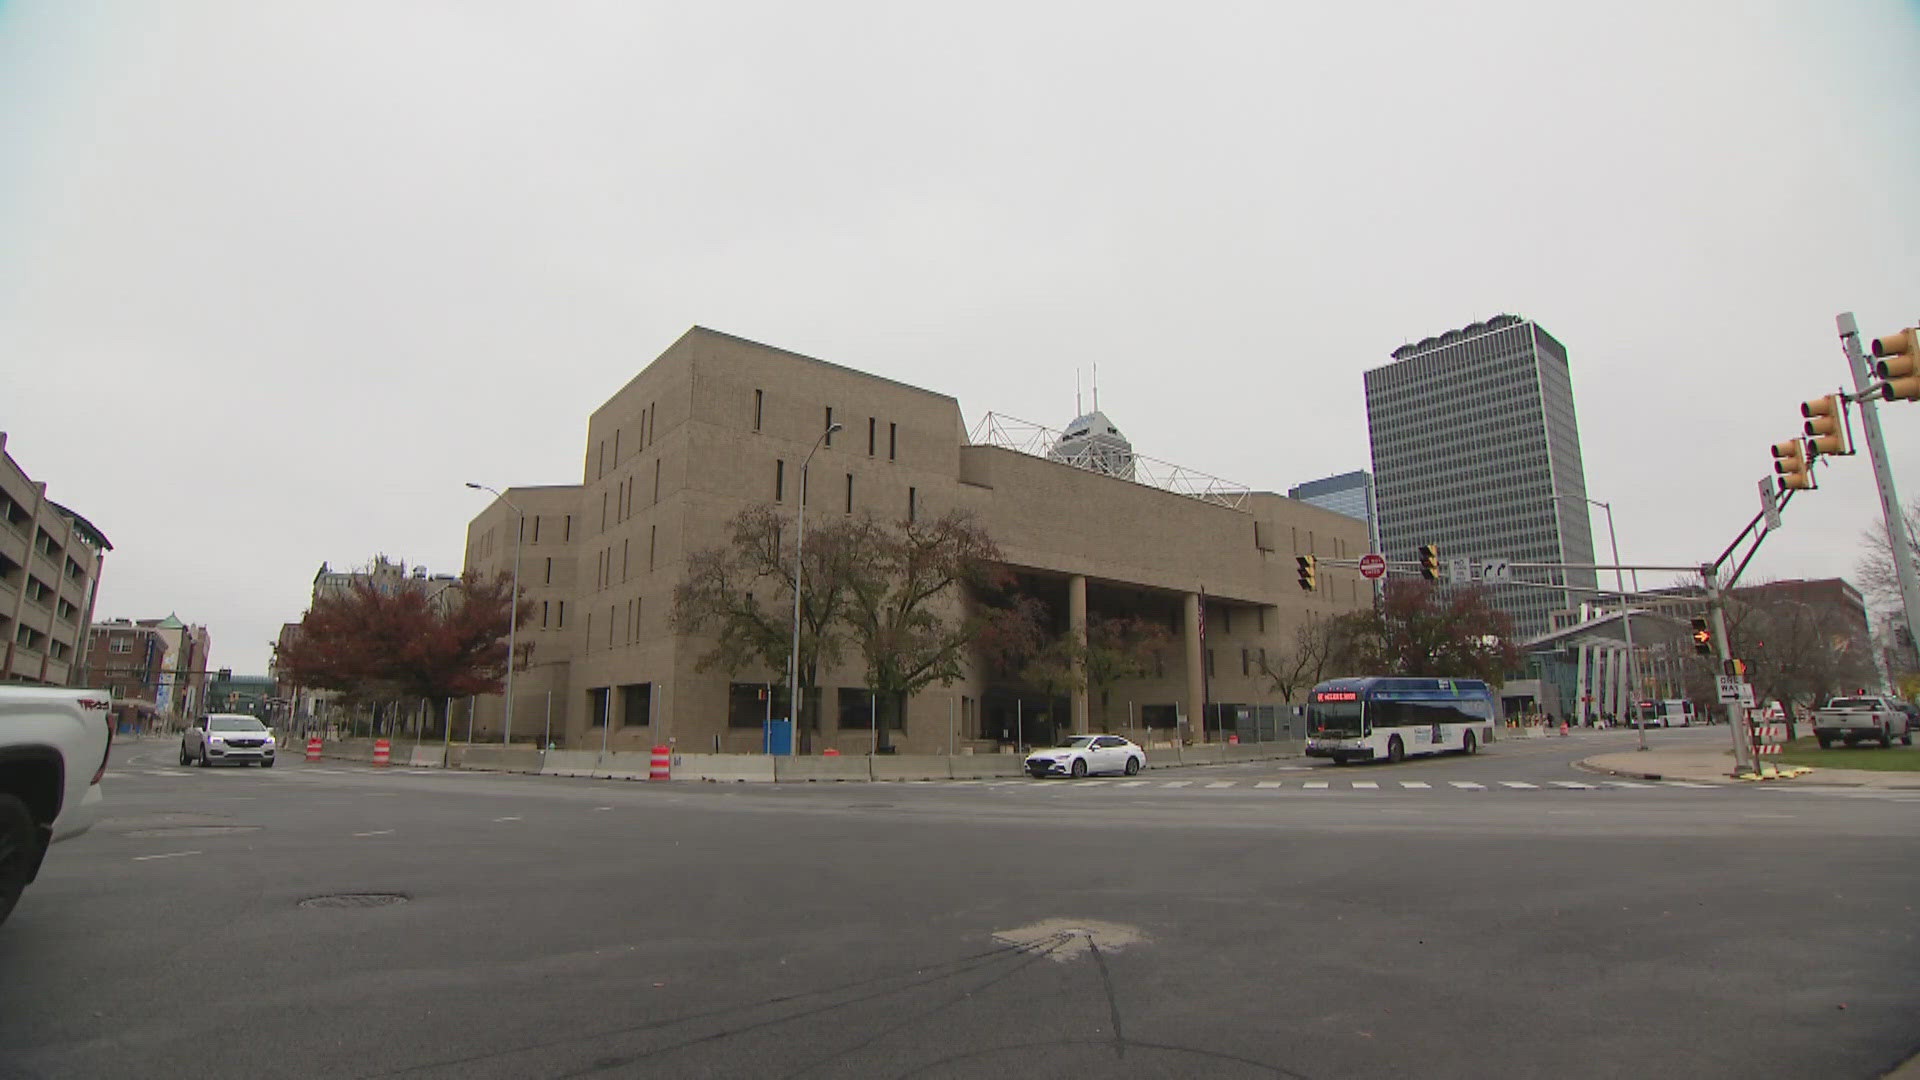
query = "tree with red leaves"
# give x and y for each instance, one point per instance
(382, 643)
(1419, 630)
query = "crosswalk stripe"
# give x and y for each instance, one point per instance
(1177, 783)
(1421, 785)
(1316, 785)
(1575, 784)
(1222, 783)
(1268, 784)
(1683, 783)
(114, 775)
(1366, 785)
(1517, 784)
(1467, 785)
(164, 772)
(1133, 783)
(1624, 783)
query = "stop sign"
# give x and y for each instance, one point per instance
(1372, 566)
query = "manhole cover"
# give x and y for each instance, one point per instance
(353, 900)
(189, 830)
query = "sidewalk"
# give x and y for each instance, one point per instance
(1716, 766)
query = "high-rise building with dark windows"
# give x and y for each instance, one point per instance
(1476, 449)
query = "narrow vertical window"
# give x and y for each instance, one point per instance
(612, 609)
(656, 481)
(603, 511)
(536, 529)
(624, 552)
(1226, 620)
(779, 480)
(893, 440)
(829, 428)
(560, 613)
(616, 448)
(566, 532)
(913, 504)
(849, 493)
(1260, 613)
(544, 605)
(601, 467)
(873, 426)
(653, 422)
(1246, 662)
(589, 631)
(653, 538)
(759, 407)
(549, 580)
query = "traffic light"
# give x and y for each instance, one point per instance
(1790, 461)
(1430, 561)
(1826, 425)
(1306, 565)
(1899, 364)
(1735, 668)
(1702, 637)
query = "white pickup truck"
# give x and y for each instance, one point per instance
(53, 750)
(1867, 718)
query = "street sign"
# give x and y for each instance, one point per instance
(1496, 570)
(1746, 694)
(1460, 571)
(1373, 566)
(1729, 689)
(1769, 502)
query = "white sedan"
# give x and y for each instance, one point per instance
(1081, 755)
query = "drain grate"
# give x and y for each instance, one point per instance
(353, 900)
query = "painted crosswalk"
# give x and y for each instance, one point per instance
(1299, 784)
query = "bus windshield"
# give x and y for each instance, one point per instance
(1336, 719)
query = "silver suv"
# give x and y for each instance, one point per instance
(227, 737)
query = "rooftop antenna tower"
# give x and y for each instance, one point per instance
(1096, 387)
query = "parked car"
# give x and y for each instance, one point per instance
(1083, 755)
(1869, 718)
(227, 737)
(53, 752)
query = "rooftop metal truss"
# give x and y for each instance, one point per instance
(1038, 440)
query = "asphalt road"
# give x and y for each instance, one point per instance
(1498, 921)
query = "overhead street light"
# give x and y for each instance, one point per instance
(799, 538)
(1626, 617)
(513, 606)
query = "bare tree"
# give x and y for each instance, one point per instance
(1875, 571)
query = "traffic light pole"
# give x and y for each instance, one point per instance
(1898, 542)
(1736, 716)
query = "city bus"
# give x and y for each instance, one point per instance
(1384, 718)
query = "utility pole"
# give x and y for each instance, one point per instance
(1897, 539)
(1736, 716)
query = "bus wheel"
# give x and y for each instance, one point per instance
(1471, 745)
(1396, 753)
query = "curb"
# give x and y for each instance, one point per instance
(1597, 770)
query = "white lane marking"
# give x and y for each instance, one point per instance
(115, 776)
(1624, 783)
(1316, 785)
(1467, 785)
(1177, 783)
(1223, 783)
(1133, 783)
(168, 855)
(1573, 784)
(1419, 785)
(1366, 785)
(1517, 784)
(509, 818)
(1268, 784)
(964, 783)
(376, 832)
(1683, 783)
(164, 772)
(599, 808)
(1292, 768)
(325, 772)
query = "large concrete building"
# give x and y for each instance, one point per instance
(50, 561)
(1476, 449)
(718, 424)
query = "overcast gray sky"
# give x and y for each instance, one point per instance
(277, 278)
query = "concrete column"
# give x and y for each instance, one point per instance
(1580, 685)
(1196, 670)
(1077, 626)
(1610, 698)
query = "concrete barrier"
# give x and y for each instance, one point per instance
(570, 763)
(911, 767)
(724, 768)
(802, 769)
(980, 766)
(424, 757)
(496, 759)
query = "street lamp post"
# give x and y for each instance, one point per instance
(799, 538)
(513, 608)
(1626, 619)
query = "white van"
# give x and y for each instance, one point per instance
(1674, 712)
